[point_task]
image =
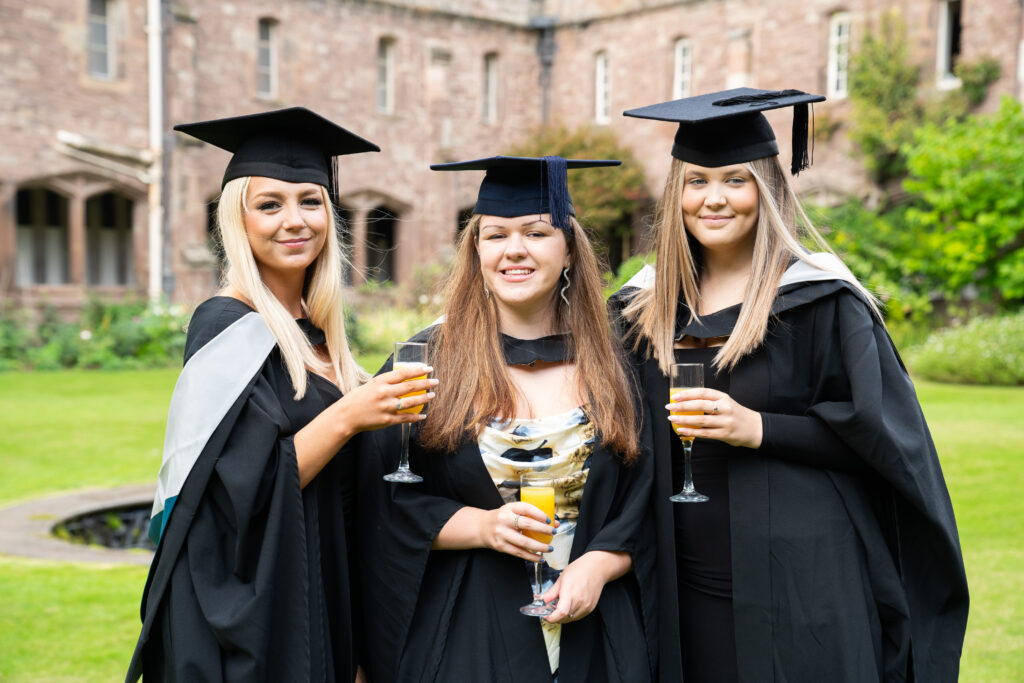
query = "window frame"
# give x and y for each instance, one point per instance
(682, 78)
(269, 47)
(108, 48)
(945, 58)
(489, 112)
(838, 70)
(385, 81)
(602, 88)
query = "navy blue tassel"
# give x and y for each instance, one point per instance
(559, 200)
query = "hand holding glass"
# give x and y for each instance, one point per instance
(538, 490)
(408, 354)
(686, 376)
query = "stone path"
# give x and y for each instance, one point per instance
(25, 528)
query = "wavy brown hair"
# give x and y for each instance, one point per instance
(466, 353)
(781, 225)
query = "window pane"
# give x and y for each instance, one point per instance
(98, 7)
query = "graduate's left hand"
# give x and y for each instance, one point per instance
(724, 419)
(579, 586)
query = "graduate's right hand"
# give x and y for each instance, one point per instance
(500, 530)
(377, 403)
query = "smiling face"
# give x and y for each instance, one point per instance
(720, 206)
(521, 260)
(286, 225)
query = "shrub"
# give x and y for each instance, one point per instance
(982, 351)
(107, 336)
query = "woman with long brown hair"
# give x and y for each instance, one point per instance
(815, 540)
(532, 381)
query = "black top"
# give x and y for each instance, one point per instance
(250, 580)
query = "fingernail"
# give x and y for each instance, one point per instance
(551, 548)
(548, 520)
(430, 394)
(422, 417)
(434, 382)
(430, 368)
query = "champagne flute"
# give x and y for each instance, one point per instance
(408, 354)
(686, 376)
(538, 489)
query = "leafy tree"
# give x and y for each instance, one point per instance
(883, 90)
(606, 198)
(969, 178)
(887, 103)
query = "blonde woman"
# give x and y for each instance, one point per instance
(250, 578)
(827, 550)
(532, 381)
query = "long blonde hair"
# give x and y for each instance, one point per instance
(321, 294)
(781, 225)
(467, 356)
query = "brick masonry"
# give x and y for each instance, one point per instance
(328, 61)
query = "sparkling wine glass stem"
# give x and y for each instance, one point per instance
(403, 465)
(687, 468)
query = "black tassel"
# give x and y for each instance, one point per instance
(558, 193)
(800, 159)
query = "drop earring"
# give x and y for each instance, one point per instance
(565, 276)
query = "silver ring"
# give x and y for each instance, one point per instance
(399, 406)
(571, 615)
(716, 409)
(515, 521)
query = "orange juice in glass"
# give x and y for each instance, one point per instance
(686, 376)
(414, 409)
(408, 354)
(538, 489)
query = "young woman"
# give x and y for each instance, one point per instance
(250, 578)
(532, 380)
(828, 550)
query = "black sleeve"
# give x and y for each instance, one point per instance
(806, 440)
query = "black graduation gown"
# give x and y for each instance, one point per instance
(453, 615)
(838, 573)
(250, 579)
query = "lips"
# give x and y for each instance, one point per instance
(294, 244)
(715, 219)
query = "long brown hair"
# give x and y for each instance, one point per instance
(475, 387)
(781, 225)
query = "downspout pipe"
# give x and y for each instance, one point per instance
(154, 40)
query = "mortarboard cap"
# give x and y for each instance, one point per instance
(722, 128)
(295, 145)
(520, 186)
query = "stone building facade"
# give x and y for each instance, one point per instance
(428, 80)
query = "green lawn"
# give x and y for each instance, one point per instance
(77, 622)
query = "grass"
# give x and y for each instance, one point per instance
(77, 622)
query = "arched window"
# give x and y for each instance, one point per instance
(108, 239)
(838, 55)
(602, 107)
(682, 73)
(42, 238)
(266, 59)
(386, 75)
(490, 89)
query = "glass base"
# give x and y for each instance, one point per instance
(403, 477)
(537, 609)
(689, 497)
